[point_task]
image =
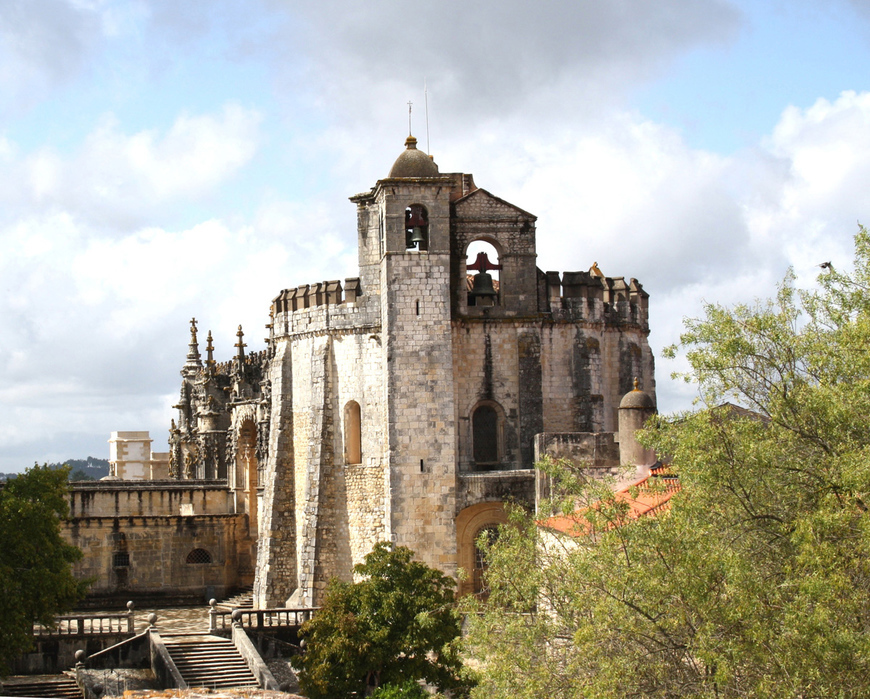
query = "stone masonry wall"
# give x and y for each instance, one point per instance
(156, 551)
(421, 406)
(275, 577)
(545, 376)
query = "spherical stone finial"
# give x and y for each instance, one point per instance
(131, 605)
(80, 655)
(152, 619)
(237, 614)
(413, 162)
(212, 603)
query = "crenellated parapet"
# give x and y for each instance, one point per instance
(320, 294)
(590, 297)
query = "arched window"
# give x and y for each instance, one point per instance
(416, 228)
(198, 557)
(485, 436)
(352, 434)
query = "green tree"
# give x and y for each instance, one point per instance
(35, 562)
(397, 624)
(756, 583)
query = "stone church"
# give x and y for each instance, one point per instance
(410, 402)
(406, 404)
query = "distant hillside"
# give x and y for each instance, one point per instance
(90, 469)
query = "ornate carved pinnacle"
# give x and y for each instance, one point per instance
(241, 345)
(193, 347)
(209, 350)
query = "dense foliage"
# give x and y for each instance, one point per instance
(757, 582)
(397, 624)
(35, 562)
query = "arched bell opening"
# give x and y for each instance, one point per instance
(247, 472)
(416, 228)
(482, 265)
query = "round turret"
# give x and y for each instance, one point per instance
(634, 409)
(413, 162)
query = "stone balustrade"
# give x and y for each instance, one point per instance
(101, 624)
(258, 619)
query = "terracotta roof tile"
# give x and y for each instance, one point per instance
(645, 498)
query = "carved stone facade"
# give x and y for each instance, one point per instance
(404, 404)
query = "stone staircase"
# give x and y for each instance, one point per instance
(243, 600)
(61, 686)
(209, 661)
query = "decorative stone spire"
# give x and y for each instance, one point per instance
(240, 345)
(193, 357)
(209, 351)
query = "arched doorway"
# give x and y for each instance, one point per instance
(485, 517)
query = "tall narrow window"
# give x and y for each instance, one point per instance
(484, 426)
(352, 433)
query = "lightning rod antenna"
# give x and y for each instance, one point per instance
(426, 102)
(409, 118)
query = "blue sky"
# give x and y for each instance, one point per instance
(162, 160)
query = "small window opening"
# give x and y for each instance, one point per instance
(120, 559)
(198, 557)
(416, 228)
(422, 467)
(418, 306)
(352, 433)
(483, 288)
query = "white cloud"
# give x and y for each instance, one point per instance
(490, 57)
(116, 179)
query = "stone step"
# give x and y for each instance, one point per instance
(60, 686)
(243, 600)
(210, 661)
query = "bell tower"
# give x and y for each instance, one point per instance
(409, 213)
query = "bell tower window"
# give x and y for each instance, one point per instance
(416, 228)
(483, 287)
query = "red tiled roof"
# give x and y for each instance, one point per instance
(645, 498)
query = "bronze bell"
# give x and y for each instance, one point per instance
(417, 236)
(483, 289)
